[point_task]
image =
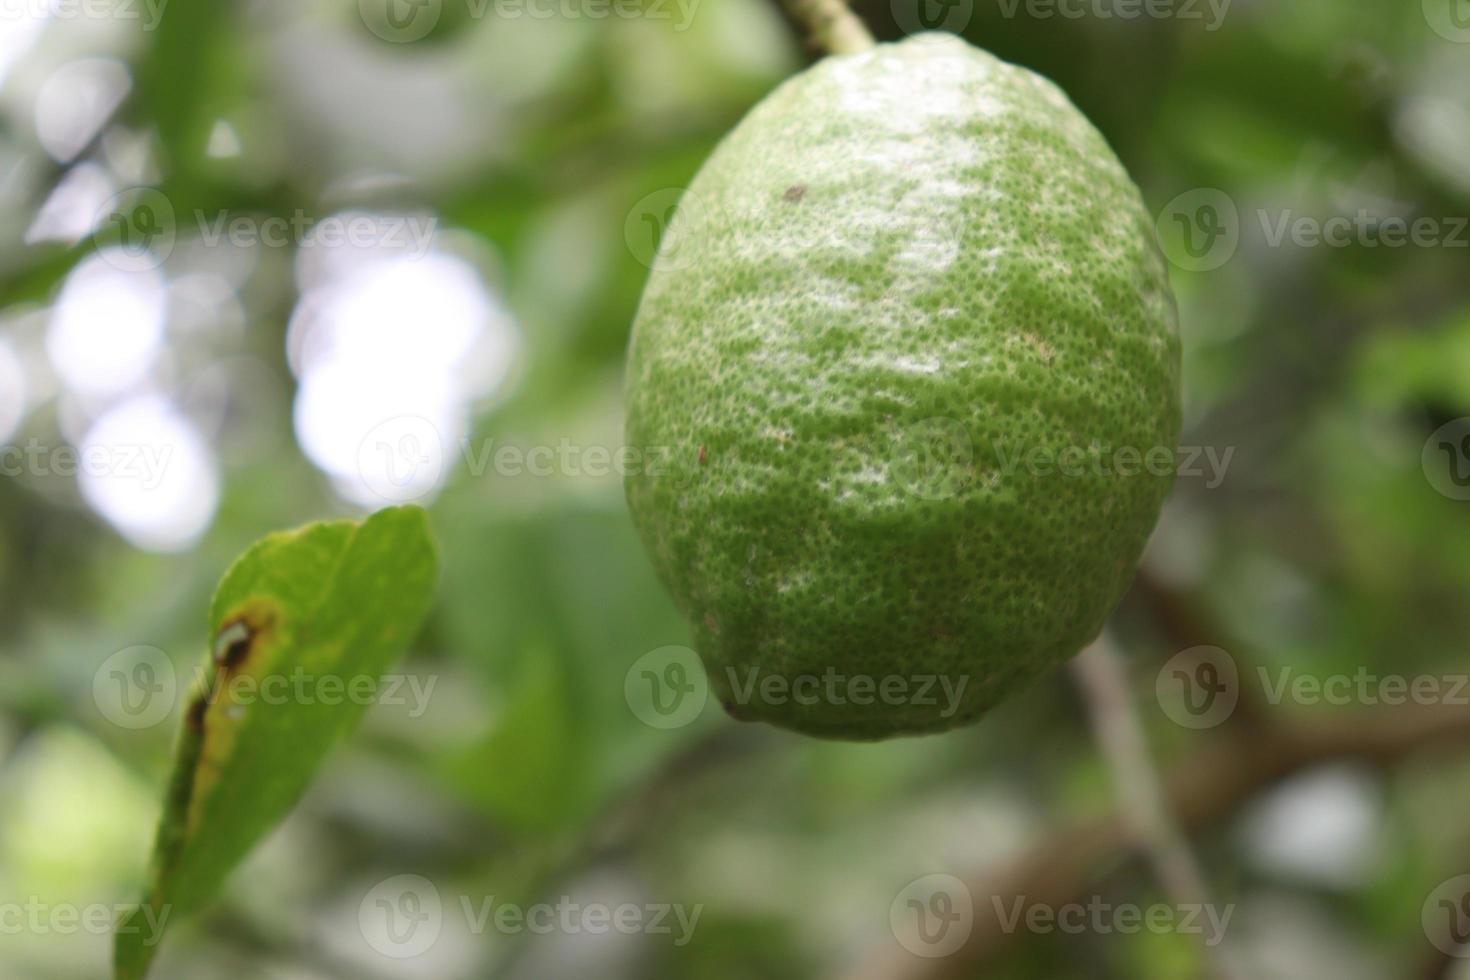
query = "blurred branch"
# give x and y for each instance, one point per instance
(1185, 625)
(832, 25)
(1102, 677)
(1442, 966)
(1227, 771)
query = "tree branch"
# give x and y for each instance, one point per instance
(1227, 771)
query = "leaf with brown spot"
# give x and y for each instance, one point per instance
(332, 601)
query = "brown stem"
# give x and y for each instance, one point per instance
(832, 25)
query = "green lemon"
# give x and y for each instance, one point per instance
(908, 363)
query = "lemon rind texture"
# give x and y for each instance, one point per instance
(905, 292)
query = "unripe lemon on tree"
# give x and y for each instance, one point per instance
(912, 350)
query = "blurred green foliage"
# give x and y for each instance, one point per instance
(1325, 548)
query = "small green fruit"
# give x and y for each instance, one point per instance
(913, 351)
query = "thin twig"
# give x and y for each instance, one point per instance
(1103, 679)
(832, 25)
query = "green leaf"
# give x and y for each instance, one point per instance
(302, 626)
